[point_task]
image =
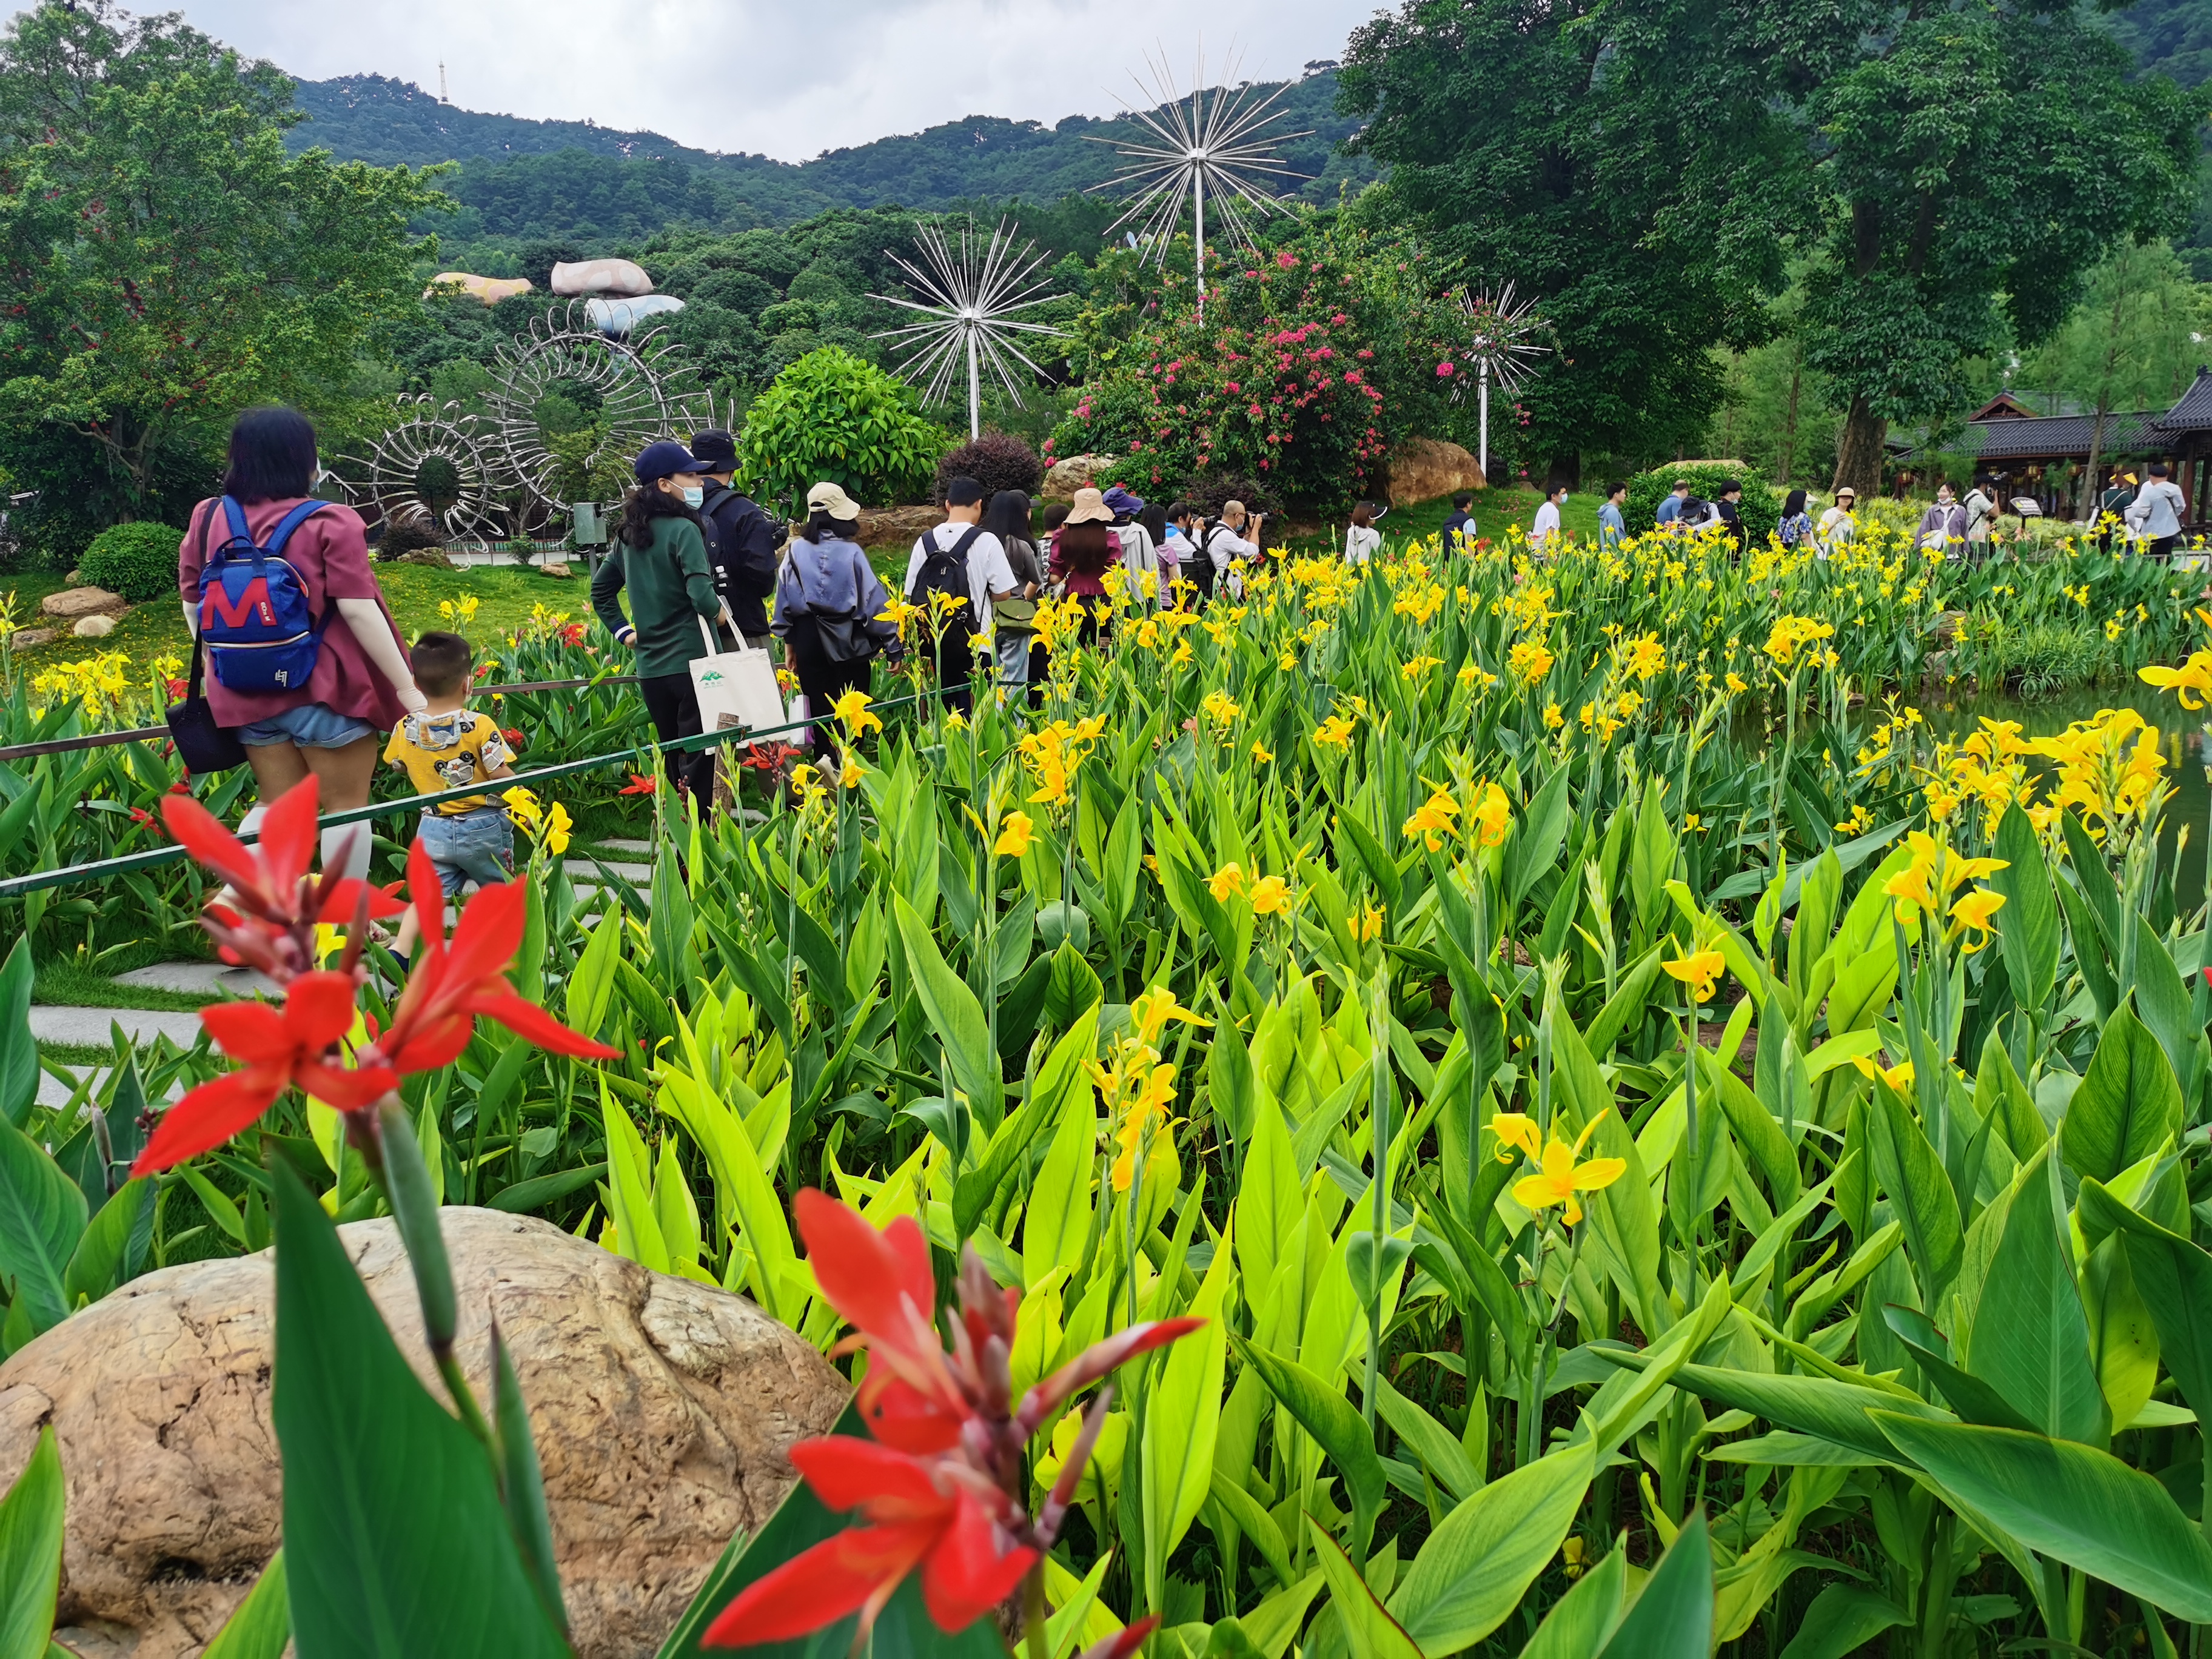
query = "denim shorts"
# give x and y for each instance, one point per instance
(470, 847)
(311, 726)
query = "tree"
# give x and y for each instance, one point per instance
(1966, 167)
(166, 262)
(1946, 171)
(1530, 149)
(2133, 343)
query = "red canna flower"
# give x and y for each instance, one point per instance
(515, 737)
(916, 1520)
(140, 815)
(281, 1045)
(454, 981)
(940, 1489)
(639, 784)
(270, 919)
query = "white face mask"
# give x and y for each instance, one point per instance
(695, 495)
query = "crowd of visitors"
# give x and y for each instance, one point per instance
(298, 668)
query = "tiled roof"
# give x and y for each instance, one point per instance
(2193, 413)
(2018, 438)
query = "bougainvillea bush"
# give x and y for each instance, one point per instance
(1312, 358)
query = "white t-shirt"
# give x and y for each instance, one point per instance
(1546, 530)
(988, 572)
(1360, 541)
(1223, 546)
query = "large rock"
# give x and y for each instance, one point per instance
(490, 290)
(897, 527)
(74, 602)
(663, 1412)
(1078, 472)
(93, 627)
(620, 277)
(1424, 469)
(616, 317)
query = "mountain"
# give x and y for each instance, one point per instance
(522, 179)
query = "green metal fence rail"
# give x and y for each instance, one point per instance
(153, 857)
(150, 733)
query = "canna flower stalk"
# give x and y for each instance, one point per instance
(940, 1489)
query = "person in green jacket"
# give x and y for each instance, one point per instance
(659, 555)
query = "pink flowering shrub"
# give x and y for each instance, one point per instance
(1311, 362)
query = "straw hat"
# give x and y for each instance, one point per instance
(1090, 509)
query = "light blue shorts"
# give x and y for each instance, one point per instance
(311, 726)
(470, 847)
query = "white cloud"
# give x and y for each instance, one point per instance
(790, 78)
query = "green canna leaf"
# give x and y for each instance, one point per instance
(1672, 1615)
(2072, 1502)
(2129, 1102)
(1479, 1561)
(31, 1553)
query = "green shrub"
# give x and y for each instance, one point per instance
(139, 561)
(1762, 507)
(831, 416)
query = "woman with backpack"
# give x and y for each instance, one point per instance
(1796, 530)
(830, 602)
(659, 555)
(1086, 547)
(296, 648)
(1014, 621)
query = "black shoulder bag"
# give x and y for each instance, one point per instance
(843, 634)
(203, 746)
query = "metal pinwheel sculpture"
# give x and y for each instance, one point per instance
(1502, 345)
(970, 301)
(1209, 140)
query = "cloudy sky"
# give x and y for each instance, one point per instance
(791, 78)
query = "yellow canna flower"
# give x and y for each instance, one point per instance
(1433, 820)
(1228, 880)
(1334, 733)
(1971, 914)
(1490, 818)
(1699, 970)
(1516, 1131)
(1153, 1010)
(1560, 1180)
(1015, 832)
(852, 709)
(1369, 924)
(1271, 897)
(1898, 1076)
(1261, 755)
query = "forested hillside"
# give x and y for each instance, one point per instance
(522, 179)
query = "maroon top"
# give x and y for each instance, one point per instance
(1081, 553)
(330, 552)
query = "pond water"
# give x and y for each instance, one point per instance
(2182, 733)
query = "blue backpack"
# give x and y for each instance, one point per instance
(254, 620)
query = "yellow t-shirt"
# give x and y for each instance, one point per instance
(449, 751)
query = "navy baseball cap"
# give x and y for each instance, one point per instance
(659, 460)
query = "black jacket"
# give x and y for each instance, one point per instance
(741, 544)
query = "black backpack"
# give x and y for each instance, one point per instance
(944, 569)
(741, 546)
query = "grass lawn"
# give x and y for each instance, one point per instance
(66, 984)
(505, 595)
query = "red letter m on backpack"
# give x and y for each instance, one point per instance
(253, 606)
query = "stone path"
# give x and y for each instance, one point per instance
(89, 1026)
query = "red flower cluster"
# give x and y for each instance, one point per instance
(267, 917)
(940, 1487)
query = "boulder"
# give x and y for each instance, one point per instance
(662, 1410)
(1078, 472)
(490, 290)
(621, 277)
(24, 639)
(93, 628)
(897, 527)
(1423, 469)
(558, 569)
(616, 318)
(436, 558)
(74, 602)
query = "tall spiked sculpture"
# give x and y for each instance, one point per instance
(1502, 344)
(1209, 141)
(969, 300)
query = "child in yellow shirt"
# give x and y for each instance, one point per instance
(450, 746)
